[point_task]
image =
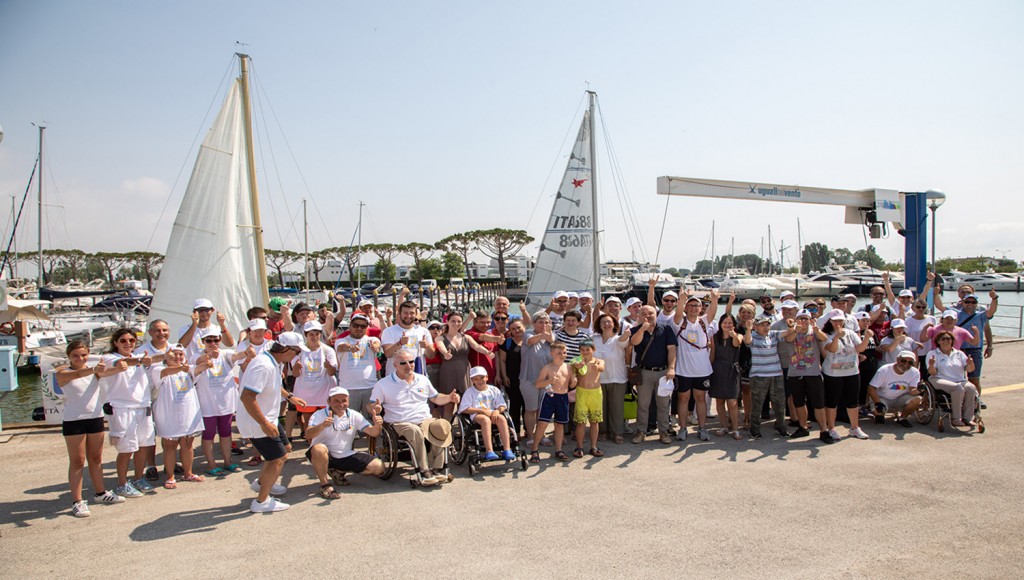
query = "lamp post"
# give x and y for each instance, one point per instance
(935, 199)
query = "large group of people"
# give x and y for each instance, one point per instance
(567, 369)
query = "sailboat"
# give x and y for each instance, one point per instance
(216, 246)
(568, 256)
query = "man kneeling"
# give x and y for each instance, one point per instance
(894, 387)
(332, 431)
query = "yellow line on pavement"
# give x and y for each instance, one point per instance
(990, 390)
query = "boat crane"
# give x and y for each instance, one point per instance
(874, 209)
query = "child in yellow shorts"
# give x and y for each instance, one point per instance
(589, 399)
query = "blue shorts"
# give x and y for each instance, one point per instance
(977, 355)
(555, 406)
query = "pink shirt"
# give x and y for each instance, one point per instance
(959, 336)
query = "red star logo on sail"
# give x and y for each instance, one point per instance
(578, 182)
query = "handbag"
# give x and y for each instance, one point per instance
(635, 376)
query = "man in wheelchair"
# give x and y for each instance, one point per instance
(894, 387)
(332, 431)
(486, 407)
(404, 397)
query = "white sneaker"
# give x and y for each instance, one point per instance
(108, 497)
(80, 509)
(834, 434)
(276, 489)
(692, 420)
(271, 505)
(858, 433)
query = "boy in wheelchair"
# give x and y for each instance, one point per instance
(486, 407)
(894, 387)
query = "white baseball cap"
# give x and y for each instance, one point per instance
(784, 293)
(898, 323)
(364, 302)
(477, 372)
(613, 299)
(950, 314)
(337, 391)
(669, 293)
(176, 346)
(561, 294)
(862, 315)
(311, 326)
(834, 314)
(202, 303)
(211, 331)
(586, 295)
(790, 304)
(906, 292)
(631, 301)
(573, 295)
(292, 339)
(257, 324)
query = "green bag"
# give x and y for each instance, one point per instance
(629, 407)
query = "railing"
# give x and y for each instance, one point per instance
(1008, 321)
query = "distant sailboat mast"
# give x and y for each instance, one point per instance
(593, 199)
(39, 276)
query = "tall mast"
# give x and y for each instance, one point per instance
(14, 239)
(39, 276)
(359, 252)
(305, 244)
(593, 198)
(250, 157)
(712, 247)
(799, 248)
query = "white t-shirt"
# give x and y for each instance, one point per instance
(890, 385)
(245, 344)
(692, 361)
(404, 402)
(82, 398)
(129, 389)
(195, 347)
(952, 367)
(908, 345)
(357, 369)
(844, 362)
(613, 353)
(176, 409)
(338, 438)
(413, 336)
(263, 377)
(489, 398)
(313, 381)
(914, 327)
(218, 394)
(148, 349)
(850, 323)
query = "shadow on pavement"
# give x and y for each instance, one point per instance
(190, 522)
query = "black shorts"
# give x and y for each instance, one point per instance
(842, 391)
(82, 427)
(808, 389)
(687, 384)
(271, 448)
(289, 385)
(355, 463)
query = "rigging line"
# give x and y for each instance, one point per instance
(616, 176)
(17, 218)
(624, 193)
(188, 155)
(56, 193)
(291, 152)
(270, 146)
(661, 237)
(554, 163)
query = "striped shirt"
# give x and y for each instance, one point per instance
(764, 351)
(572, 342)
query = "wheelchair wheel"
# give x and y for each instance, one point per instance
(386, 449)
(472, 468)
(926, 411)
(981, 425)
(523, 462)
(459, 448)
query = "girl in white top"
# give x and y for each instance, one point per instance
(83, 427)
(314, 371)
(217, 393)
(176, 409)
(899, 341)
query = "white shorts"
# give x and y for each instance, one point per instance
(131, 429)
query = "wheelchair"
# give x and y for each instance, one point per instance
(468, 445)
(390, 449)
(940, 404)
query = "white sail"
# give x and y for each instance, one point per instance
(212, 250)
(565, 260)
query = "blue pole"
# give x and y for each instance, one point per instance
(916, 248)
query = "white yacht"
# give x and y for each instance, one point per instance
(984, 281)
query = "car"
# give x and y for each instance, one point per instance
(414, 288)
(367, 288)
(456, 284)
(397, 287)
(429, 285)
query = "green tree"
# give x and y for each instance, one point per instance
(842, 256)
(703, 268)
(461, 245)
(499, 243)
(111, 262)
(278, 259)
(869, 256)
(814, 257)
(429, 268)
(451, 265)
(385, 254)
(384, 270)
(419, 252)
(147, 264)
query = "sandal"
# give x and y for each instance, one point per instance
(534, 457)
(233, 468)
(254, 461)
(721, 431)
(170, 484)
(596, 452)
(194, 478)
(619, 440)
(578, 452)
(327, 491)
(216, 472)
(736, 435)
(559, 455)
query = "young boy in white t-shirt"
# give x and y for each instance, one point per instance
(486, 407)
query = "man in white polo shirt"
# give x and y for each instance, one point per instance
(261, 394)
(332, 430)
(403, 396)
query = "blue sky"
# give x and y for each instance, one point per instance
(450, 116)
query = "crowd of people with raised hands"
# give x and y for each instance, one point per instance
(574, 362)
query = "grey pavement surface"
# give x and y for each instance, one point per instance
(907, 503)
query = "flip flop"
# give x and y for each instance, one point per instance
(578, 452)
(561, 456)
(216, 472)
(194, 478)
(254, 461)
(596, 452)
(534, 457)
(233, 468)
(170, 484)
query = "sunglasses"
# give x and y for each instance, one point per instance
(916, 307)
(261, 317)
(970, 301)
(500, 318)
(211, 340)
(811, 308)
(357, 326)
(669, 300)
(403, 363)
(203, 309)
(126, 340)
